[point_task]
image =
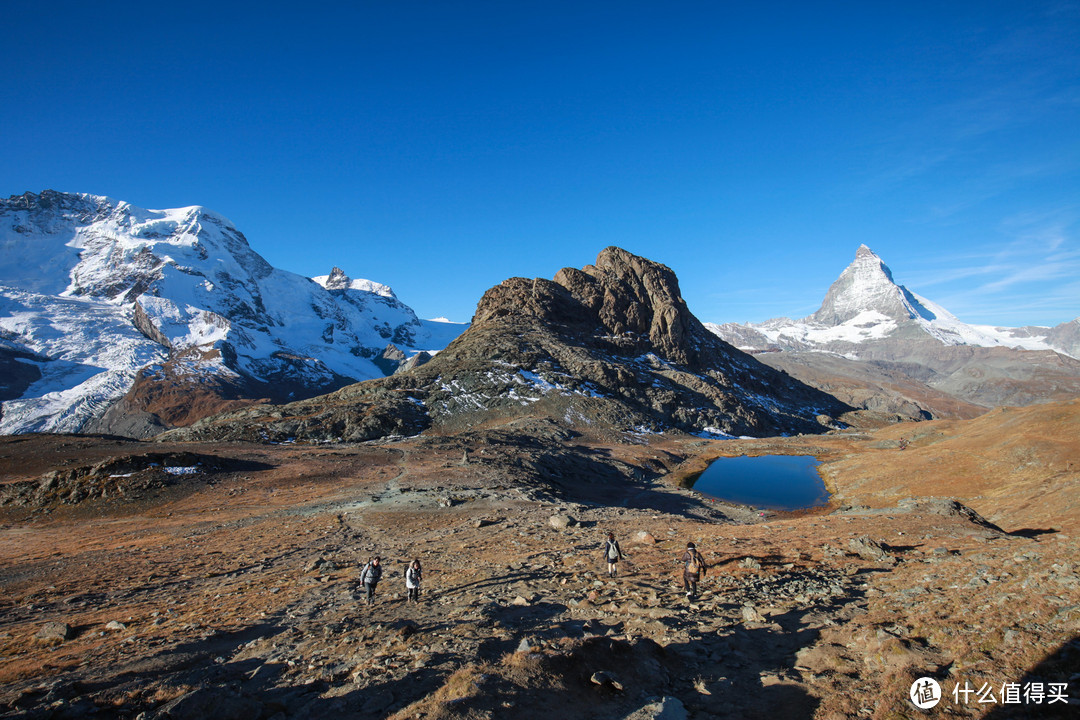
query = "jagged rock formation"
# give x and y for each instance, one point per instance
(612, 346)
(881, 347)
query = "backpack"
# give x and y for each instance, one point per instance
(695, 565)
(612, 552)
(371, 574)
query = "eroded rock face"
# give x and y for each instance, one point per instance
(630, 294)
(622, 295)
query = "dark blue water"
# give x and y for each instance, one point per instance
(776, 482)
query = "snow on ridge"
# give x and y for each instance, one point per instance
(864, 305)
(369, 286)
(75, 270)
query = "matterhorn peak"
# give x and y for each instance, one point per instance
(866, 285)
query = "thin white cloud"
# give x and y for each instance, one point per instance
(1032, 277)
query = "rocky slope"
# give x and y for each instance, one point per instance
(612, 345)
(103, 302)
(231, 591)
(931, 363)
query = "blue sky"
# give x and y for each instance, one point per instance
(441, 147)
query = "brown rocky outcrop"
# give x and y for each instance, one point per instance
(628, 298)
(630, 294)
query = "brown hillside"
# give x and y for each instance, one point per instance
(128, 591)
(1019, 467)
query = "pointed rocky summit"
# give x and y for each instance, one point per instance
(867, 285)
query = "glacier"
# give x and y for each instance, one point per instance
(93, 291)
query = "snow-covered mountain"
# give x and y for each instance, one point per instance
(879, 346)
(96, 293)
(865, 305)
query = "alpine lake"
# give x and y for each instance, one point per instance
(771, 482)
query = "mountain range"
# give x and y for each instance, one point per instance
(880, 346)
(118, 319)
(610, 346)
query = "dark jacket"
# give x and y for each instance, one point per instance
(688, 556)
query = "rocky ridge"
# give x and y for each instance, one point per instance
(612, 345)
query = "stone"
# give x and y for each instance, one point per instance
(603, 677)
(666, 708)
(751, 614)
(869, 549)
(644, 538)
(116, 625)
(211, 702)
(55, 631)
(561, 521)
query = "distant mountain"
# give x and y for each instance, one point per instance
(611, 348)
(866, 305)
(126, 320)
(866, 317)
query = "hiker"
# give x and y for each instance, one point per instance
(413, 575)
(612, 553)
(693, 568)
(370, 576)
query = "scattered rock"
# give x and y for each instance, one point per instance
(116, 625)
(666, 708)
(751, 614)
(603, 677)
(644, 538)
(561, 521)
(55, 631)
(869, 549)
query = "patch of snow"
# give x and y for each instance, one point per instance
(173, 470)
(714, 433)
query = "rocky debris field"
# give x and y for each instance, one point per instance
(238, 598)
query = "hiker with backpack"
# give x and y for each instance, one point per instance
(370, 576)
(413, 575)
(612, 553)
(693, 568)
